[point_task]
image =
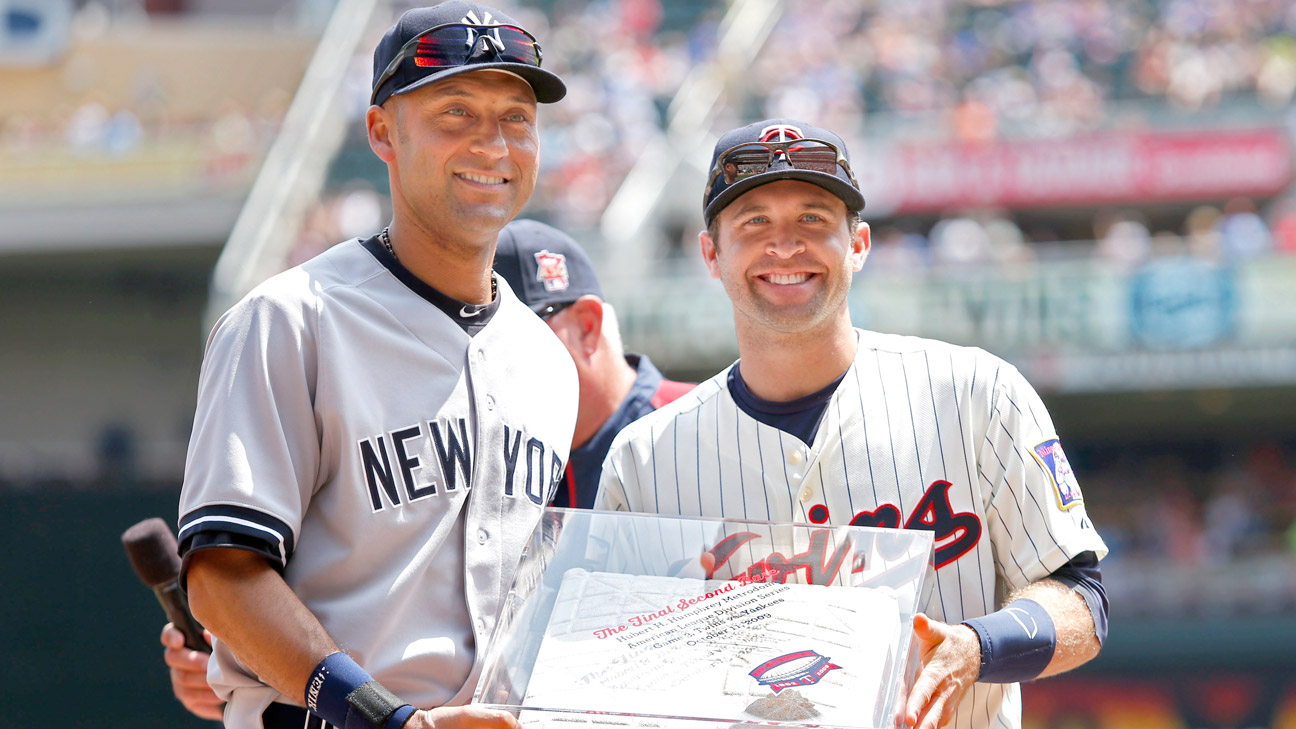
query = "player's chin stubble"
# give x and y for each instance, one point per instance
(795, 318)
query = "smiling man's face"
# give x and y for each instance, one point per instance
(785, 253)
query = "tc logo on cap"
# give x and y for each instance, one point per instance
(781, 133)
(551, 270)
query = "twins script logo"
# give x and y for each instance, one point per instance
(552, 271)
(803, 668)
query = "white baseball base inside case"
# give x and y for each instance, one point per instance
(593, 638)
(715, 649)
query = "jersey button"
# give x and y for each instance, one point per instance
(806, 494)
(795, 457)
(490, 403)
(482, 536)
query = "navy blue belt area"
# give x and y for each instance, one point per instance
(284, 716)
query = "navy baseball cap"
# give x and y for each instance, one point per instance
(543, 265)
(432, 44)
(766, 151)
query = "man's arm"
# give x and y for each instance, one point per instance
(243, 601)
(950, 655)
(247, 604)
(1077, 640)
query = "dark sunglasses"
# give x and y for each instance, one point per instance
(754, 158)
(453, 44)
(553, 310)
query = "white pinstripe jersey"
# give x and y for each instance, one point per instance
(919, 433)
(392, 466)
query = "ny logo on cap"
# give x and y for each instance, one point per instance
(781, 133)
(552, 270)
(486, 19)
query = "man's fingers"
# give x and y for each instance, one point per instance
(941, 708)
(186, 660)
(206, 705)
(192, 697)
(919, 695)
(928, 629)
(215, 713)
(171, 637)
(462, 717)
(189, 679)
(700, 568)
(931, 715)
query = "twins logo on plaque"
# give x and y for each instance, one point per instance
(780, 624)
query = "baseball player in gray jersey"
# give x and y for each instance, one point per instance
(551, 274)
(819, 422)
(378, 429)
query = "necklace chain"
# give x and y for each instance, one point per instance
(385, 237)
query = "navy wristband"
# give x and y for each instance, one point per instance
(1017, 642)
(346, 696)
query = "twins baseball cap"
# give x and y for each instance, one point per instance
(778, 149)
(543, 265)
(432, 44)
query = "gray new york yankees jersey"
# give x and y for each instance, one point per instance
(390, 465)
(919, 434)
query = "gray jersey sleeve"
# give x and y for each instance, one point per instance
(1036, 513)
(253, 458)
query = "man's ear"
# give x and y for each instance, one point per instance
(585, 317)
(860, 246)
(709, 253)
(381, 126)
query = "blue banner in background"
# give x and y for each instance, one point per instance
(1182, 303)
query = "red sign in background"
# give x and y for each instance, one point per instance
(1096, 169)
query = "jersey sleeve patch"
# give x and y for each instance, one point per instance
(1049, 455)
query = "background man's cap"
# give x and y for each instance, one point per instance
(543, 265)
(410, 75)
(779, 130)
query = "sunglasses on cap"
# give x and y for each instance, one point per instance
(755, 158)
(454, 44)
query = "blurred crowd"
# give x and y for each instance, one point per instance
(1178, 529)
(973, 69)
(1232, 233)
(51, 153)
(969, 69)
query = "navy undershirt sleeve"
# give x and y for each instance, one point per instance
(1083, 575)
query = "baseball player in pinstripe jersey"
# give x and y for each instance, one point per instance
(819, 422)
(379, 429)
